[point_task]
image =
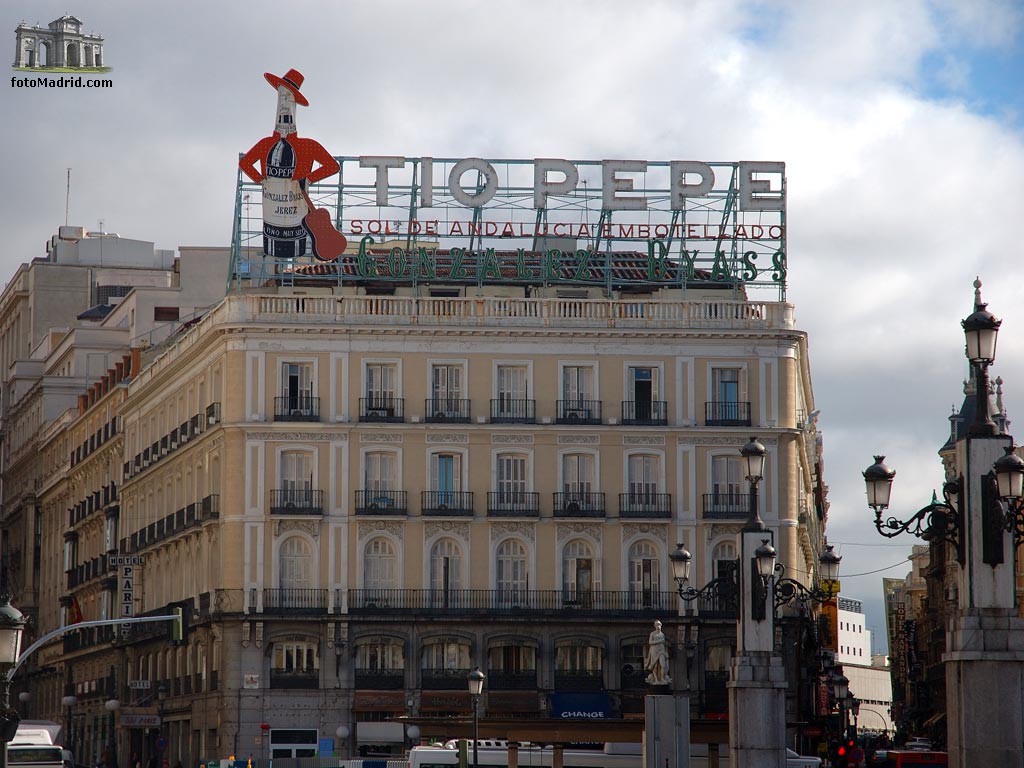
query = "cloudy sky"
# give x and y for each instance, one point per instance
(901, 124)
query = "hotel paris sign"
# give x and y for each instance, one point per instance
(391, 218)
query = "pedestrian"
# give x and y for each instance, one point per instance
(136, 762)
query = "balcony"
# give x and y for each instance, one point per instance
(726, 413)
(297, 408)
(513, 504)
(645, 413)
(446, 410)
(732, 505)
(382, 410)
(509, 602)
(212, 414)
(447, 503)
(499, 680)
(289, 501)
(292, 600)
(381, 503)
(579, 504)
(443, 679)
(645, 505)
(280, 678)
(381, 679)
(505, 411)
(579, 680)
(580, 412)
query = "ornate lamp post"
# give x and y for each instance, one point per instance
(476, 687)
(12, 624)
(982, 504)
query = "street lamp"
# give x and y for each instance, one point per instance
(753, 454)
(12, 624)
(476, 687)
(788, 590)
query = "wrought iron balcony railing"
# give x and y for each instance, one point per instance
(504, 411)
(447, 503)
(645, 413)
(381, 503)
(513, 504)
(380, 679)
(295, 600)
(578, 412)
(382, 410)
(297, 408)
(499, 680)
(641, 504)
(443, 679)
(579, 504)
(579, 680)
(508, 601)
(731, 505)
(447, 410)
(726, 413)
(291, 501)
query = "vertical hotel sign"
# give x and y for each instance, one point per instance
(127, 564)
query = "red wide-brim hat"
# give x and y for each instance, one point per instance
(292, 80)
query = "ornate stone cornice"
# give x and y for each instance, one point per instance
(312, 527)
(298, 437)
(380, 437)
(368, 528)
(564, 530)
(447, 437)
(723, 439)
(631, 531)
(643, 439)
(579, 439)
(514, 439)
(447, 528)
(526, 530)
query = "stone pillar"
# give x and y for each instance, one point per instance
(666, 739)
(985, 640)
(757, 677)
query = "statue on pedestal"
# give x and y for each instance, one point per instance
(656, 659)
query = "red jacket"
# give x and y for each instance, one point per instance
(307, 152)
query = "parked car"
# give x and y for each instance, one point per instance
(793, 760)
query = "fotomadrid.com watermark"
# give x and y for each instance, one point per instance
(61, 82)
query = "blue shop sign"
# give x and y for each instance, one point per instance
(580, 706)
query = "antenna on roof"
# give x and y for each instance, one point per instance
(67, 198)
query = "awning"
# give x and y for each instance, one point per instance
(934, 720)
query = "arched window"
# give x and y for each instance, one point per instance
(579, 666)
(445, 565)
(445, 663)
(512, 576)
(379, 564)
(723, 559)
(579, 574)
(296, 563)
(644, 571)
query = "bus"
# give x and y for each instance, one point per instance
(915, 758)
(529, 757)
(36, 756)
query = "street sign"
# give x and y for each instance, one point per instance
(139, 685)
(161, 743)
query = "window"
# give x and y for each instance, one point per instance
(726, 483)
(726, 384)
(575, 657)
(380, 470)
(446, 654)
(445, 474)
(380, 654)
(578, 573)
(642, 392)
(446, 382)
(512, 657)
(296, 657)
(512, 480)
(297, 391)
(578, 383)
(644, 571)
(445, 565)
(296, 471)
(723, 559)
(577, 473)
(512, 579)
(165, 314)
(296, 563)
(381, 382)
(379, 564)
(643, 478)
(512, 403)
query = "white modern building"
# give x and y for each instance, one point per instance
(868, 674)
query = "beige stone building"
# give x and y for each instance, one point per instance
(358, 499)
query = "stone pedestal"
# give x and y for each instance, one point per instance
(757, 711)
(666, 732)
(985, 690)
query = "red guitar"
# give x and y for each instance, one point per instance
(328, 243)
